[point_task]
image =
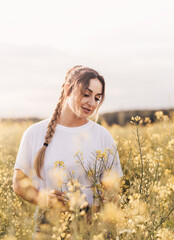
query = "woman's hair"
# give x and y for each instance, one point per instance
(78, 76)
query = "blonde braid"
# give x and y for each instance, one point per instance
(39, 160)
(53, 122)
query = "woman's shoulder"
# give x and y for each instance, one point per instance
(101, 130)
(37, 127)
(103, 135)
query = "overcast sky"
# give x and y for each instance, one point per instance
(130, 42)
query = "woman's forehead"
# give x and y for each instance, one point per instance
(95, 86)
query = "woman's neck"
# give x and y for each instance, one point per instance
(70, 119)
(69, 123)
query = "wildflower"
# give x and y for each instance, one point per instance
(90, 172)
(165, 234)
(99, 154)
(167, 172)
(147, 120)
(57, 177)
(59, 164)
(77, 199)
(110, 151)
(68, 236)
(77, 153)
(98, 237)
(137, 195)
(84, 205)
(53, 236)
(63, 235)
(132, 118)
(108, 235)
(159, 114)
(137, 118)
(112, 214)
(82, 213)
(96, 216)
(170, 144)
(110, 179)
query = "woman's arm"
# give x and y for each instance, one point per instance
(23, 187)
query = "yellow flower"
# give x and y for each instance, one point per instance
(90, 172)
(111, 179)
(165, 234)
(167, 172)
(59, 164)
(57, 176)
(62, 235)
(159, 114)
(82, 213)
(137, 195)
(98, 237)
(77, 153)
(137, 118)
(112, 214)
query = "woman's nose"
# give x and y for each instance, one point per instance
(92, 101)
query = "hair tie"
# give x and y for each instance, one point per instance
(45, 144)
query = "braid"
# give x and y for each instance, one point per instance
(39, 160)
(53, 122)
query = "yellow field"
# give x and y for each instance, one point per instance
(146, 192)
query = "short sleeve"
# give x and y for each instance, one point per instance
(113, 156)
(24, 156)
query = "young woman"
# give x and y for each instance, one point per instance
(59, 139)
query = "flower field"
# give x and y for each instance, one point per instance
(140, 205)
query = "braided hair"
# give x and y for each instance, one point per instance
(76, 76)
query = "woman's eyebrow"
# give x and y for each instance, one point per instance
(92, 91)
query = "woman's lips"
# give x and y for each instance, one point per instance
(86, 110)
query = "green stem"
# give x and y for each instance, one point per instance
(156, 173)
(141, 158)
(161, 222)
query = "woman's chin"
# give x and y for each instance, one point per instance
(84, 116)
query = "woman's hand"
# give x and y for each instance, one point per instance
(57, 199)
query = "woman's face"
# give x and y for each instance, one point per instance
(89, 101)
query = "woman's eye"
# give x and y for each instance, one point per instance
(96, 99)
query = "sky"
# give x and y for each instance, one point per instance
(130, 42)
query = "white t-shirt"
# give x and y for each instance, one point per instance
(64, 146)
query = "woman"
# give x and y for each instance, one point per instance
(59, 139)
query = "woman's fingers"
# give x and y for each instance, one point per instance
(57, 199)
(54, 202)
(56, 193)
